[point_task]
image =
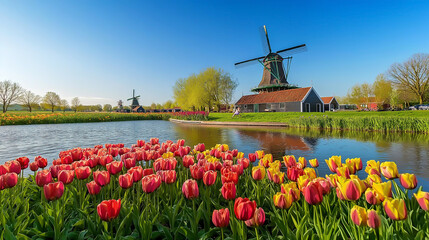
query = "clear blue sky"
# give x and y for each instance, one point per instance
(101, 50)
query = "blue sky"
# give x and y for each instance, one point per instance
(101, 50)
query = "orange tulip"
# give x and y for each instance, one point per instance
(282, 200)
(351, 189)
(371, 197)
(258, 173)
(395, 208)
(289, 161)
(258, 218)
(374, 220)
(423, 199)
(408, 181)
(389, 170)
(358, 215)
(333, 163)
(384, 190)
(314, 162)
(109, 209)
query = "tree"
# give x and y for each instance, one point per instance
(107, 108)
(9, 92)
(29, 100)
(64, 105)
(360, 94)
(211, 87)
(75, 104)
(168, 104)
(158, 106)
(153, 106)
(51, 100)
(382, 89)
(412, 74)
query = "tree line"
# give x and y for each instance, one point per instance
(402, 84)
(209, 89)
(13, 93)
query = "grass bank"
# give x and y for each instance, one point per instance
(401, 121)
(25, 118)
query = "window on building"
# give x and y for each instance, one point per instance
(268, 106)
(282, 105)
(245, 106)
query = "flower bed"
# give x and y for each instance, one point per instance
(154, 190)
(195, 116)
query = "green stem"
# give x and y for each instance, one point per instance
(256, 231)
(221, 230)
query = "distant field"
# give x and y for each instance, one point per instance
(42, 117)
(408, 121)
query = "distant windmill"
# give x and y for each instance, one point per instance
(135, 102)
(274, 77)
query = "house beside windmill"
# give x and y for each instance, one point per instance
(274, 93)
(290, 100)
(330, 104)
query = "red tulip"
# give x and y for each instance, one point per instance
(190, 189)
(67, 159)
(252, 157)
(66, 176)
(167, 176)
(13, 166)
(93, 188)
(197, 172)
(188, 160)
(228, 190)
(41, 162)
(129, 163)
(243, 161)
(102, 178)
(109, 209)
(147, 171)
(53, 191)
(229, 176)
(150, 183)
(137, 173)
(33, 166)
(126, 180)
(220, 218)
(114, 167)
(23, 161)
(293, 173)
(258, 218)
(374, 220)
(9, 180)
(82, 172)
(313, 193)
(43, 177)
(140, 143)
(106, 159)
(154, 141)
(209, 177)
(244, 209)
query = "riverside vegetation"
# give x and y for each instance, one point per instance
(154, 190)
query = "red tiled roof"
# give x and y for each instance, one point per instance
(135, 109)
(290, 95)
(326, 100)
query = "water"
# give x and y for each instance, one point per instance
(409, 151)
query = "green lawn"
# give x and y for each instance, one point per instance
(402, 121)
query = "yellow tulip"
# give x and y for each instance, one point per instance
(333, 163)
(389, 170)
(384, 190)
(395, 208)
(408, 181)
(423, 200)
(358, 215)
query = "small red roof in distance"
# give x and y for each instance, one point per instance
(135, 109)
(326, 100)
(290, 95)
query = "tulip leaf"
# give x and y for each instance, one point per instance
(7, 234)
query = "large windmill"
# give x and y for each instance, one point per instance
(135, 102)
(274, 77)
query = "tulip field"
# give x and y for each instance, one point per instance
(168, 190)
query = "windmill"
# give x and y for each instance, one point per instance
(274, 77)
(135, 102)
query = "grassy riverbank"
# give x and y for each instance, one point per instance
(25, 118)
(408, 121)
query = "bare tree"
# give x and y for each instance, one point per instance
(75, 103)
(9, 92)
(29, 99)
(412, 74)
(51, 100)
(64, 105)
